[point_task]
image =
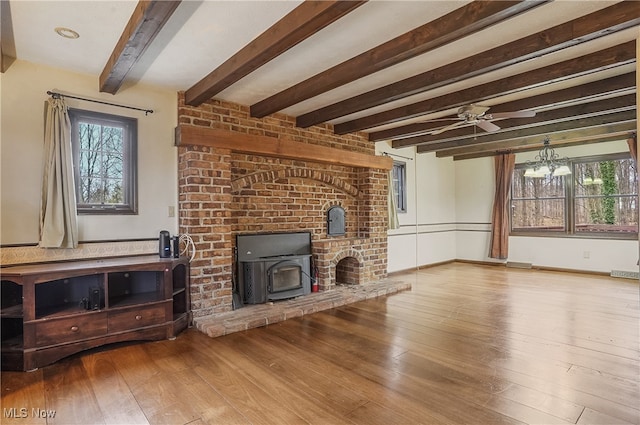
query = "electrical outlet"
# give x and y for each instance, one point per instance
(172, 211)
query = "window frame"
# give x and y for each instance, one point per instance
(570, 205)
(539, 232)
(130, 161)
(401, 194)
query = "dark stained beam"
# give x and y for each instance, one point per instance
(461, 22)
(516, 138)
(609, 133)
(298, 25)
(145, 23)
(615, 18)
(552, 119)
(579, 94)
(604, 59)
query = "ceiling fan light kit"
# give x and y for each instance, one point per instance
(547, 163)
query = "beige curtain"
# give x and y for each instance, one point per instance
(391, 204)
(58, 220)
(504, 165)
(633, 150)
(633, 147)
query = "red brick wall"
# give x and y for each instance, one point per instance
(204, 205)
(224, 193)
(235, 117)
(275, 195)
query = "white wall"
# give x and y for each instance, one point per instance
(427, 230)
(450, 214)
(474, 202)
(24, 88)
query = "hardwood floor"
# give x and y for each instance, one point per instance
(469, 344)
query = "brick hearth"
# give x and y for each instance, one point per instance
(254, 316)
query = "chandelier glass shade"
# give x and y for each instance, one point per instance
(546, 163)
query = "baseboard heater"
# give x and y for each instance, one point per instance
(519, 265)
(625, 274)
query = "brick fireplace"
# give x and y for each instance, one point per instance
(228, 186)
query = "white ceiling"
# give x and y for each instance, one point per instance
(201, 35)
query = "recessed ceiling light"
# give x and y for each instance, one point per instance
(66, 32)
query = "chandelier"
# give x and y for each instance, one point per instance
(547, 163)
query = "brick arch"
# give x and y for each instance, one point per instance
(330, 204)
(345, 255)
(320, 176)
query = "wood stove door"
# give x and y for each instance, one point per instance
(285, 276)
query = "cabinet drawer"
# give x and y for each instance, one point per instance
(135, 318)
(71, 329)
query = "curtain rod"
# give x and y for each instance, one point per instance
(56, 95)
(398, 156)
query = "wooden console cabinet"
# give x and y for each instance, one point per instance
(50, 311)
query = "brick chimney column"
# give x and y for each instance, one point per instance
(204, 181)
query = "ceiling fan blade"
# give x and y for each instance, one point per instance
(441, 119)
(487, 126)
(448, 127)
(513, 114)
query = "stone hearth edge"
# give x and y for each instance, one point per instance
(257, 315)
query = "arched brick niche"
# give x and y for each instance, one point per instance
(347, 271)
(351, 261)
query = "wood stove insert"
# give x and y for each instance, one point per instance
(273, 266)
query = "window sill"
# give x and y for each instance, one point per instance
(606, 236)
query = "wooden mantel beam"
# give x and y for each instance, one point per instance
(274, 147)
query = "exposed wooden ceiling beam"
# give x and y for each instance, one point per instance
(298, 25)
(580, 137)
(562, 71)
(577, 94)
(552, 119)
(555, 131)
(145, 23)
(606, 21)
(461, 22)
(7, 40)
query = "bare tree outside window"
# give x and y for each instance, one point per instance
(606, 196)
(104, 151)
(538, 203)
(599, 199)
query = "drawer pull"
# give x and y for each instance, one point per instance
(138, 317)
(74, 329)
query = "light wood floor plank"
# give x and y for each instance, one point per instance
(117, 403)
(21, 392)
(69, 392)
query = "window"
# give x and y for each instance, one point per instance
(104, 152)
(400, 185)
(600, 199)
(606, 196)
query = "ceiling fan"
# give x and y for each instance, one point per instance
(476, 115)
